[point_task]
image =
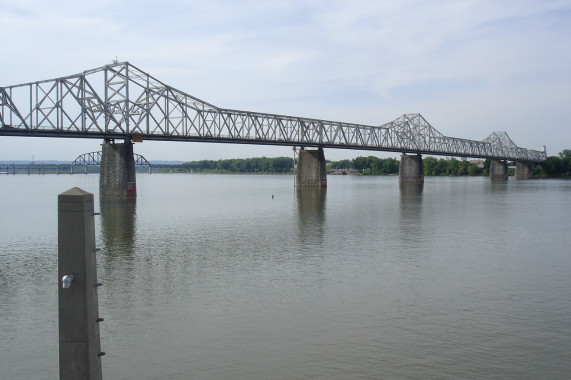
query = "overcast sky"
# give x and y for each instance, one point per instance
(469, 67)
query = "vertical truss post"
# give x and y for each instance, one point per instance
(127, 103)
(106, 101)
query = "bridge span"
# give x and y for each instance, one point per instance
(121, 102)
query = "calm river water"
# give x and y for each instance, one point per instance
(242, 277)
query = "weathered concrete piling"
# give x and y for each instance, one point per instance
(411, 170)
(499, 170)
(311, 168)
(117, 169)
(79, 343)
(522, 170)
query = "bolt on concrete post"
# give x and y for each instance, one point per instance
(79, 344)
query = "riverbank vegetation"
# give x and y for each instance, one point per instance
(432, 167)
(557, 166)
(258, 165)
(553, 167)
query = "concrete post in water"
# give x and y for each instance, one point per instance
(311, 169)
(411, 170)
(499, 170)
(79, 344)
(522, 170)
(117, 170)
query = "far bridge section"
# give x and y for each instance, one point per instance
(80, 165)
(120, 101)
(94, 159)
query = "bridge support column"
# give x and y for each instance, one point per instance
(522, 170)
(499, 170)
(411, 170)
(311, 170)
(117, 169)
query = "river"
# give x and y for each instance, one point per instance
(243, 277)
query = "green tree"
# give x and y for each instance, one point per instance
(452, 168)
(553, 166)
(391, 166)
(565, 157)
(441, 167)
(474, 170)
(429, 164)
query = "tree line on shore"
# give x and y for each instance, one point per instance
(277, 165)
(553, 167)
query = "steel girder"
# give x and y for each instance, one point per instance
(121, 101)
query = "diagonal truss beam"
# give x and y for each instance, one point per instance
(120, 101)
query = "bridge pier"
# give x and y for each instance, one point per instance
(411, 170)
(522, 170)
(499, 170)
(311, 169)
(117, 169)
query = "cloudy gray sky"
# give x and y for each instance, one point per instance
(469, 67)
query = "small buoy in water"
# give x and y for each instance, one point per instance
(272, 196)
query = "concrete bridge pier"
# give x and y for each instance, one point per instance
(499, 170)
(522, 170)
(411, 170)
(311, 169)
(117, 169)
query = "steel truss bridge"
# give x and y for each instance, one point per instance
(94, 159)
(119, 101)
(84, 160)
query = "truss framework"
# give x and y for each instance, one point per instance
(121, 101)
(94, 158)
